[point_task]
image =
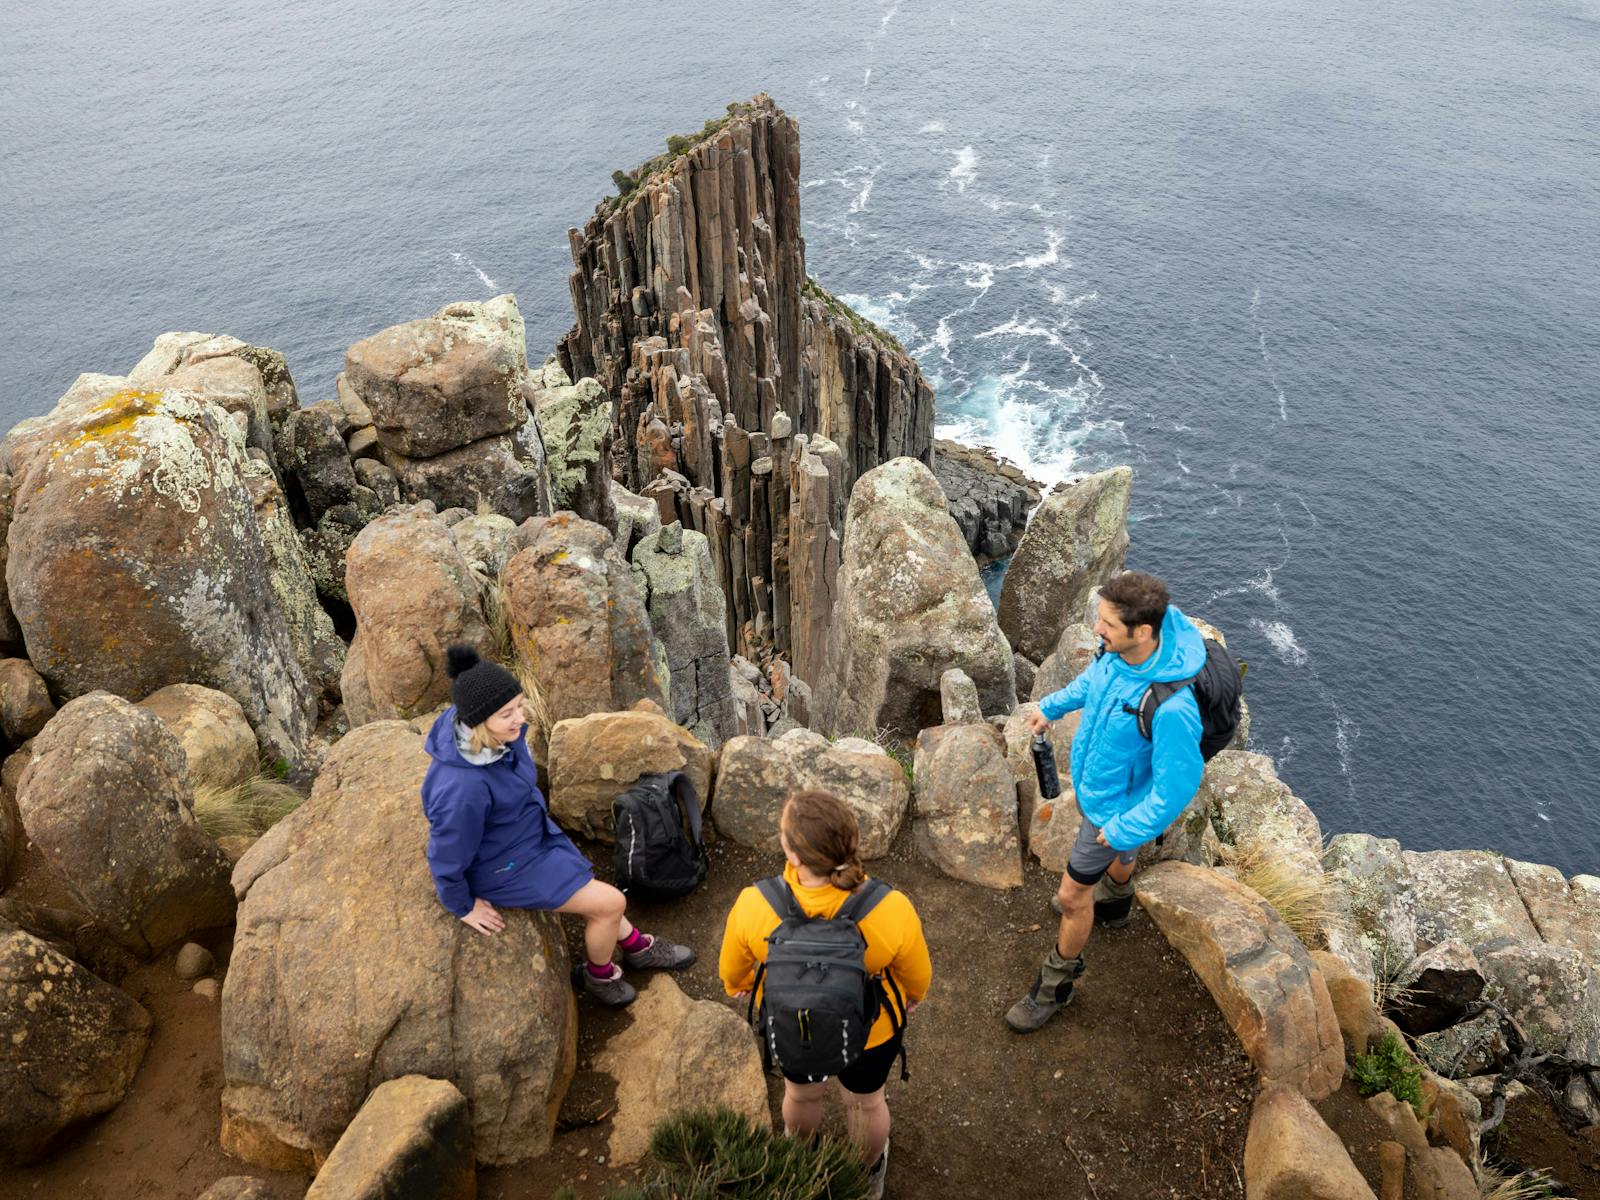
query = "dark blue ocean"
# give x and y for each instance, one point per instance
(1324, 273)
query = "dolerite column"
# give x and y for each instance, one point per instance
(759, 547)
(780, 452)
(814, 565)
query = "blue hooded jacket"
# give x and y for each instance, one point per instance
(1132, 788)
(489, 832)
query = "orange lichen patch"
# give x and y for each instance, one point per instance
(116, 414)
(1046, 811)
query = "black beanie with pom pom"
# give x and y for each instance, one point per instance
(480, 689)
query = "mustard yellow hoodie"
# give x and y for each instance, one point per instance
(892, 931)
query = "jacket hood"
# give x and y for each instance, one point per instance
(441, 743)
(1181, 654)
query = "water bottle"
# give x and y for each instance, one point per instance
(1044, 765)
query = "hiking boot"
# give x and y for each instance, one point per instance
(659, 955)
(1113, 914)
(1051, 991)
(613, 992)
(877, 1173)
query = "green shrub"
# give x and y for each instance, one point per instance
(1389, 1068)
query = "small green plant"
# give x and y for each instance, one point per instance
(278, 768)
(719, 1154)
(245, 809)
(1389, 1068)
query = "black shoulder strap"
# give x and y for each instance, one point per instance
(775, 891)
(682, 791)
(863, 901)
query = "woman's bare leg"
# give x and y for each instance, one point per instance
(802, 1107)
(601, 906)
(866, 1121)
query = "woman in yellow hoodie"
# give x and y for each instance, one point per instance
(821, 841)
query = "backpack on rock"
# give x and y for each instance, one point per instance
(659, 853)
(818, 1003)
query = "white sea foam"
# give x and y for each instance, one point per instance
(1183, 467)
(853, 125)
(893, 7)
(932, 127)
(465, 260)
(1062, 297)
(1266, 358)
(859, 204)
(1016, 327)
(1050, 256)
(1282, 640)
(866, 77)
(965, 170)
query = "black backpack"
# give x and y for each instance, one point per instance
(1217, 688)
(818, 1004)
(659, 853)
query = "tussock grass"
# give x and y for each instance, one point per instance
(1388, 962)
(246, 809)
(718, 1154)
(1308, 901)
(1495, 1183)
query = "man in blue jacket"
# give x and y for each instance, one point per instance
(1129, 789)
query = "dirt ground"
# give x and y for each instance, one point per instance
(1137, 1091)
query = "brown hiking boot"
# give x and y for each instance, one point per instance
(1050, 992)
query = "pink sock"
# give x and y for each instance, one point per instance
(635, 941)
(600, 970)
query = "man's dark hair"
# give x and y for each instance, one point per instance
(1140, 599)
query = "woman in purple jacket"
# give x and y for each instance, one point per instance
(492, 841)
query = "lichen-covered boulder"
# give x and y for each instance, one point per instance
(575, 421)
(958, 698)
(675, 575)
(1256, 812)
(439, 383)
(1075, 650)
(347, 972)
(594, 758)
(1552, 991)
(1466, 894)
(72, 1043)
(755, 776)
(966, 813)
(137, 498)
(218, 743)
(413, 595)
(1052, 823)
(910, 606)
(106, 799)
(1566, 912)
(1370, 877)
(1261, 977)
(678, 1053)
(25, 704)
(1076, 540)
(504, 473)
(412, 1137)
(486, 542)
(579, 623)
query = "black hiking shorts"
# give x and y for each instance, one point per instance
(864, 1076)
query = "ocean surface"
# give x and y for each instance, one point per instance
(1324, 274)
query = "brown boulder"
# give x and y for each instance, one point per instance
(755, 776)
(1052, 825)
(594, 758)
(25, 705)
(106, 799)
(1259, 974)
(412, 1137)
(413, 595)
(10, 632)
(72, 1044)
(678, 1053)
(217, 741)
(137, 498)
(1359, 1021)
(441, 382)
(1566, 912)
(1290, 1154)
(580, 625)
(347, 972)
(966, 812)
